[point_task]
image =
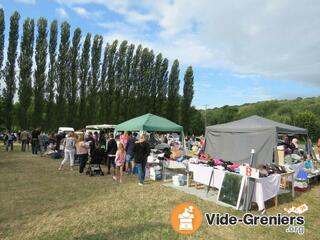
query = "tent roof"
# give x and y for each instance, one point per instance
(256, 123)
(149, 122)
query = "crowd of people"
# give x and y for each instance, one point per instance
(120, 157)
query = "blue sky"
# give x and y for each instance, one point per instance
(259, 50)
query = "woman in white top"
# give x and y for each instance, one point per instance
(69, 150)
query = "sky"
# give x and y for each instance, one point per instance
(241, 51)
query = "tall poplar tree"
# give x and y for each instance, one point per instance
(154, 83)
(127, 84)
(103, 96)
(40, 72)
(112, 59)
(162, 88)
(141, 81)
(119, 76)
(93, 85)
(10, 80)
(52, 75)
(134, 105)
(173, 93)
(63, 72)
(83, 76)
(25, 65)
(187, 99)
(2, 28)
(72, 83)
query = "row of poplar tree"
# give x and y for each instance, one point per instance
(71, 83)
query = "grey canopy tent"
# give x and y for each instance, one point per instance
(233, 141)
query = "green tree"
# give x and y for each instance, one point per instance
(10, 80)
(187, 99)
(144, 80)
(103, 86)
(119, 77)
(72, 83)
(52, 75)
(2, 28)
(25, 66)
(155, 82)
(162, 88)
(307, 120)
(127, 84)
(149, 81)
(173, 93)
(196, 122)
(134, 105)
(63, 72)
(83, 76)
(112, 60)
(93, 85)
(40, 72)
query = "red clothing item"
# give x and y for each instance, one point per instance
(124, 140)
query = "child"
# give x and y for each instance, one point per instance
(120, 159)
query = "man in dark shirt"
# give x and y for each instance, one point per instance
(129, 152)
(35, 141)
(141, 152)
(111, 154)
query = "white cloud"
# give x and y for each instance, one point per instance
(61, 13)
(32, 2)
(85, 13)
(81, 11)
(274, 39)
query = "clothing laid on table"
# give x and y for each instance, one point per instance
(120, 158)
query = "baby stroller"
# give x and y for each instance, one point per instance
(97, 158)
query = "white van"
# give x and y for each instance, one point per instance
(98, 128)
(65, 129)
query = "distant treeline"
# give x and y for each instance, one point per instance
(300, 112)
(75, 80)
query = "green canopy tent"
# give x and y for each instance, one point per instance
(150, 123)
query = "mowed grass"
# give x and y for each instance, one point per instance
(39, 202)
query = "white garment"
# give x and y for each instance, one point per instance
(68, 156)
(265, 188)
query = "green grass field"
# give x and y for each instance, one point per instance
(39, 202)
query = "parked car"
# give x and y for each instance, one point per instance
(65, 129)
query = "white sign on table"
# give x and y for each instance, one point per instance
(249, 172)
